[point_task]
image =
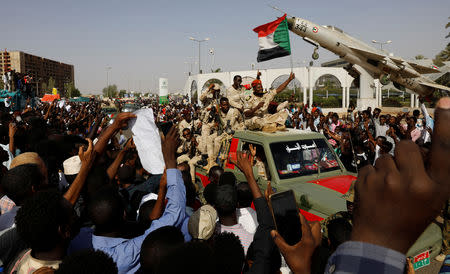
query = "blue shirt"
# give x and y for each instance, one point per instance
(126, 252)
(361, 257)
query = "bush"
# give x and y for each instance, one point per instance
(392, 102)
(330, 102)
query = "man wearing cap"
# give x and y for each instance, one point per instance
(210, 101)
(231, 120)
(256, 108)
(347, 215)
(202, 223)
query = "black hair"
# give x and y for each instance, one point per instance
(227, 245)
(157, 245)
(227, 178)
(190, 188)
(106, 209)
(223, 99)
(126, 174)
(244, 195)
(215, 172)
(335, 115)
(386, 146)
(187, 259)
(87, 261)
(18, 182)
(339, 231)
(144, 213)
(186, 129)
(414, 118)
(416, 113)
(225, 200)
(96, 179)
(38, 221)
(235, 77)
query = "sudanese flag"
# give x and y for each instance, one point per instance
(273, 40)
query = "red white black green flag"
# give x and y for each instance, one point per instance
(273, 40)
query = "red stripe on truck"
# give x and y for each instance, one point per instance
(310, 217)
(337, 183)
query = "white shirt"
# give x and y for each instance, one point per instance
(247, 218)
(10, 155)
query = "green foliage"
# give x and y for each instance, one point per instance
(287, 93)
(51, 84)
(71, 91)
(110, 91)
(137, 94)
(194, 98)
(330, 102)
(216, 70)
(122, 93)
(444, 55)
(1, 85)
(146, 94)
(419, 57)
(392, 102)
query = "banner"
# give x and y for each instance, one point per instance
(163, 90)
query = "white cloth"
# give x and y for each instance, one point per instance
(148, 141)
(10, 155)
(247, 218)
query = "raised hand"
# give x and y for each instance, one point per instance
(169, 147)
(298, 256)
(87, 157)
(121, 120)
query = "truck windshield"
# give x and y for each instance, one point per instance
(304, 157)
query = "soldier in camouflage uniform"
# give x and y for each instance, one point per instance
(347, 215)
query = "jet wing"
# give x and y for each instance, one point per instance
(423, 69)
(434, 85)
(368, 54)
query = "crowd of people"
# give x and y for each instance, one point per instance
(75, 197)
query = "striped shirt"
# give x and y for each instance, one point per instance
(238, 230)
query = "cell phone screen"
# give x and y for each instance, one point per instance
(285, 215)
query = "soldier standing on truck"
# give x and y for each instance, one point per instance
(235, 93)
(189, 152)
(210, 101)
(256, 109)
(231, 120)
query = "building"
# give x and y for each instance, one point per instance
(41, 69)
(338, 63)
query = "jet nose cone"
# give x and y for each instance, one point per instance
(290, 21)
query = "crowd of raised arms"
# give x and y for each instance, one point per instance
(75, 197)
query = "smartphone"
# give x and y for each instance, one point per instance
(285, 215)
(165, 127)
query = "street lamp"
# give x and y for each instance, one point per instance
(107, 75)
(381, 43)
(199, 42)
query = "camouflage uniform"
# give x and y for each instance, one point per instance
(206, 136)
(186, 147)
(236, 123)
(262, 117)
(236, 97)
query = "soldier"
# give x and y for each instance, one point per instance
(256, 109)
(189, 152)
(185, 123)
(347, 215)
(210, 101)
(230, 121)
(235, 93)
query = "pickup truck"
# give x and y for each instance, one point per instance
(305, 162)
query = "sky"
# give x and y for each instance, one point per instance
(142, 40)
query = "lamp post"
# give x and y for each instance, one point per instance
(107, 75)
(381, 43)
(199, 42)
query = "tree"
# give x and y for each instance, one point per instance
(1, 85)
(216, 70)
(51, 84)
(419, 57)
(71, 91)
(122, 93)
(110, 91)
(444, 55)
(137, 94)
(76, 92)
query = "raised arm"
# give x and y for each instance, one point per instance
(112, 169)
(87, 159)
(285, 84)
(120, 122)
(158, 209)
